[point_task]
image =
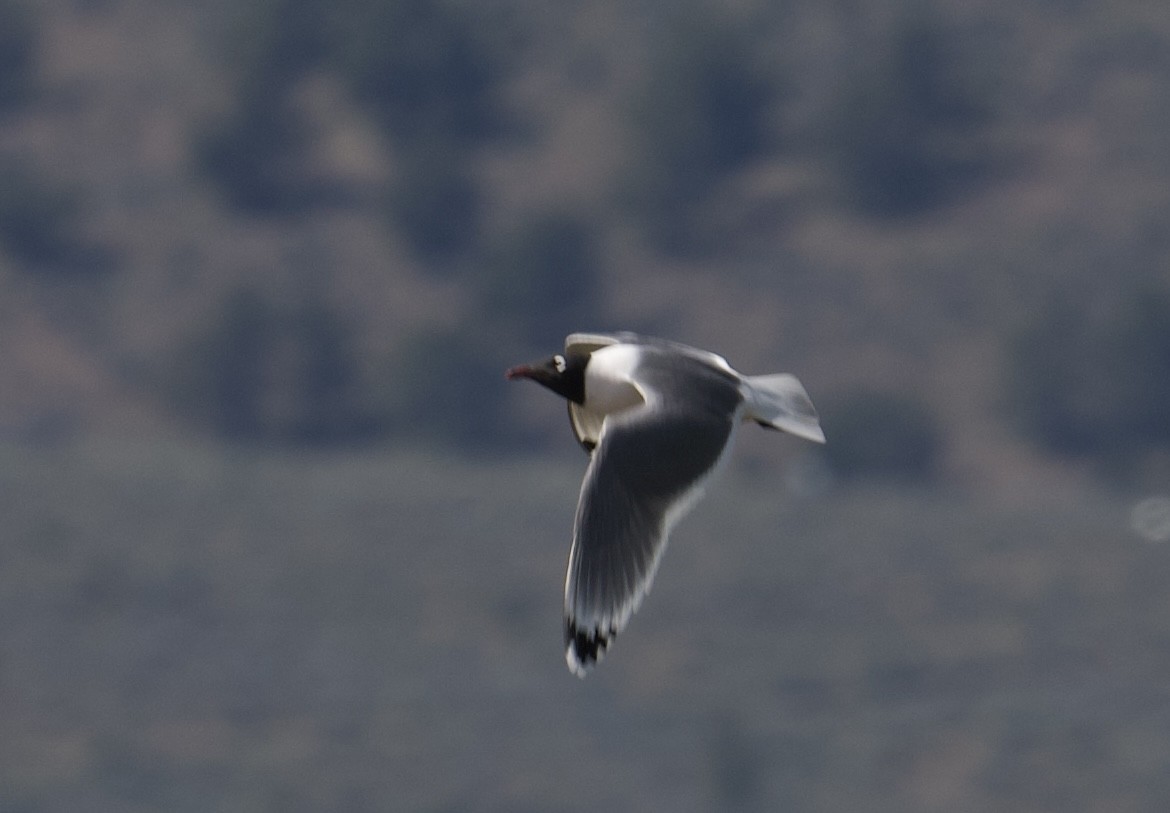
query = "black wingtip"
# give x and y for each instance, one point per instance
(584, 647)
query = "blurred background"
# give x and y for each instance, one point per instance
(278, 536)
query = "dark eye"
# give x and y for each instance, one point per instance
(559, 363)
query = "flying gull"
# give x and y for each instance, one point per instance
(656, 418)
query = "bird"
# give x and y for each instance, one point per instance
(657, 418)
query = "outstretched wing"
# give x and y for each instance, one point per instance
(649, 467)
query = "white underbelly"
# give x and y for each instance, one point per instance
(609, 386)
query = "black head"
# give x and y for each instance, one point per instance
(563, 374)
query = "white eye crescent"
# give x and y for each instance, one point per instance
(559, 363)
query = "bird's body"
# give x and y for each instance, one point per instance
(657, 418)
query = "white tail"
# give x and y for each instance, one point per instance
(779, 401)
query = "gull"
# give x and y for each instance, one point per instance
(656, 418)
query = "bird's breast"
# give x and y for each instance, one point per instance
(605, 396)
(609, 384)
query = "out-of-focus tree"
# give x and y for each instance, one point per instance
(18, 47)
(543, 277)
(256, 155)
(434, 200)
(423, 70)
(701, 113)
(263, 373)
(429, 75)
(1090, 378)
(907, 131)
(445, 387)
(40, 229)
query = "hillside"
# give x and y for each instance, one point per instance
(282, 221)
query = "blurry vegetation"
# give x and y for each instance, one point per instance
(421, 69)
(18, 46)
(907, 130)
(424, 68)
(726, 120)
(434, 200)
(264, 373)
(428, 75)
(1090, 378)
(701, 113)
(545, 276)
(256, 155)
(39, 227)
(875, 434)
(446, 387)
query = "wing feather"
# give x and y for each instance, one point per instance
(649, 466)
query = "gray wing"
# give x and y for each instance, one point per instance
(649, 466)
